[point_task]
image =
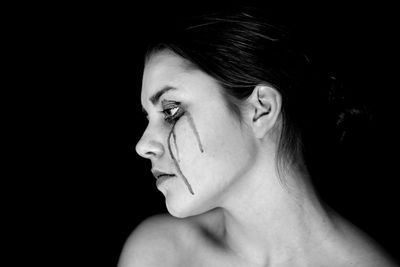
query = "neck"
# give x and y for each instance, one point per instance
(271, 223)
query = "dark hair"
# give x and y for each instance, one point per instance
(243, 49)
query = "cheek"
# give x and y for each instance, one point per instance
(225, 139)
(228, 159)
(176, 159)
(195, 141)
(229, 151)
(225, 148)
(185, 137)
(210, 153)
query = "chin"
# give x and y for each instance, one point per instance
(179, 213)
(184, 207)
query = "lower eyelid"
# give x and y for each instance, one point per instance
(175, 117)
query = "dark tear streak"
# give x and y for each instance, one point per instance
(176, 163)
(191, 122)
(176, 146)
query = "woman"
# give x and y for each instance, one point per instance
(236, 116)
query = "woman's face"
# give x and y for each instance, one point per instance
(192, 134)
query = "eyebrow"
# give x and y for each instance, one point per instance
(155, 98)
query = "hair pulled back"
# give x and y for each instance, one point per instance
(241, 49)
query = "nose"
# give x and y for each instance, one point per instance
(149, 146)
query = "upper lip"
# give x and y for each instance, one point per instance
(158, 173)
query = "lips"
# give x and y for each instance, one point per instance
(165, 175)
(158, 174)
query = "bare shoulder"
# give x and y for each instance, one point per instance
(374, 255)
(362, 250)
(373, 258)
(157, 241)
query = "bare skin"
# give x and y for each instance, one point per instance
(199, 241)
(229, 205)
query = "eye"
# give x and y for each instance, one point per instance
(172, 112)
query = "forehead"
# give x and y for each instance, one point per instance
(168, 69)
(161, 68)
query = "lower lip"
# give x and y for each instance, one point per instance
(163, 178)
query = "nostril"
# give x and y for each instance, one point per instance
(156, 150)
(150, 153)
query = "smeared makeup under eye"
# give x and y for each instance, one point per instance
(173, 119)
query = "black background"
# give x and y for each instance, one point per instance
(81, 186)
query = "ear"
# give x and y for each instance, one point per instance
(264, 107)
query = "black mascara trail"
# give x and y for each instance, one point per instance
(176, 146)
(176, 163)
(191, 122)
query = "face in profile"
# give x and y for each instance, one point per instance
(192, 134)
